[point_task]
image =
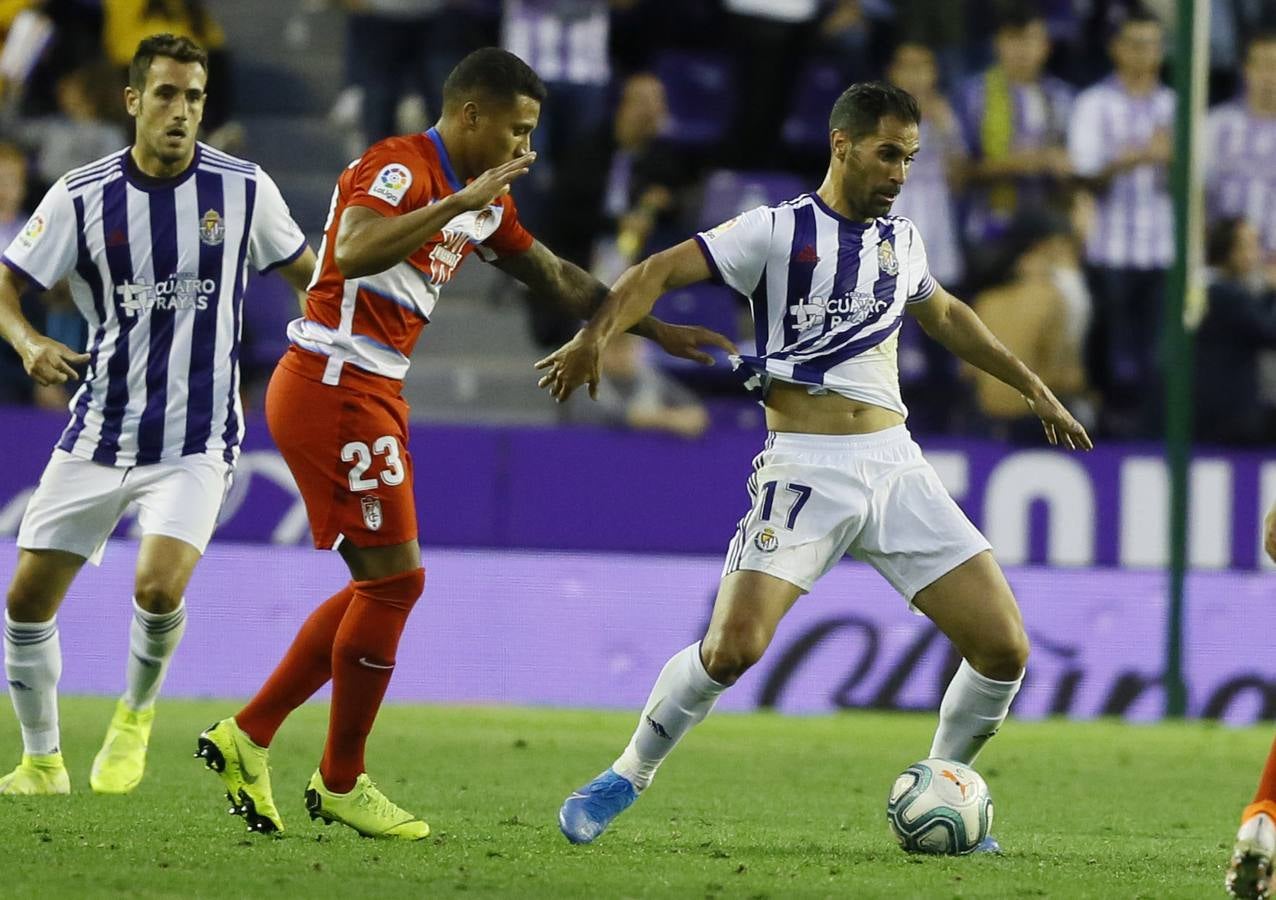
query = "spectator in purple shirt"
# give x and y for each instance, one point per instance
(1119, 142)
(1240, 150)
(1015, 120)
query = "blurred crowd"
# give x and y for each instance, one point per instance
(1042, 188)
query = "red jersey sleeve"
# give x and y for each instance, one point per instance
(510, 237)
(392, 178)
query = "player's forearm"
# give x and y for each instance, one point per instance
(374, 243)
(968, 338)
(14, 326)
(585, 297)
(627, 306)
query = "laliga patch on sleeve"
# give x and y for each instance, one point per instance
(391, 183)
(29, 236)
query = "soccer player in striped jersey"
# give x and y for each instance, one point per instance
(154, 242)
(829, 275)
(404, 216)
(1249, 875)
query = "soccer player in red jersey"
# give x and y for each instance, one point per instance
(1250, 872)
(404, 216)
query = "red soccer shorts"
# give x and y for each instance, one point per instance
(347, 448)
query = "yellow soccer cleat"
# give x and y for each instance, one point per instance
(365, 809)
(245, 771)
(120, 764)
(43, 774)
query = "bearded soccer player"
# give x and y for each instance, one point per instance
(154, 242)
(830, 275)
(404, 216)
(1250, 873)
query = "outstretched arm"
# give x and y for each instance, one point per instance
(626, 307)
(47, 361)
(578, 361)
(955, 325)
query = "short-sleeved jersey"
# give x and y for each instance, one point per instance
(828, 294)
(157, 267)
(373, 322)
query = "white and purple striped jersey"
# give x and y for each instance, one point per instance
(828, 294)
(1240, 163)
(1134, 221)
(158, 268)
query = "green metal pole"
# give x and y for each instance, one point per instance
(1182, 302)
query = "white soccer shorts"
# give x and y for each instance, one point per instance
(818, 497)
(79, 502)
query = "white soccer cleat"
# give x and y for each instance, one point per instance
(1250, 873)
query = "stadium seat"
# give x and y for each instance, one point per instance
(712, 306)
(699, 90)
(728, 193)
(806, 129)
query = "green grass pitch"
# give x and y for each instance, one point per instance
(751, 806)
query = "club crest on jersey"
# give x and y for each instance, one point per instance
(887, 261)
(31, 234)
(212, 230)
(391, 183)
(766, 541)
(371, 512)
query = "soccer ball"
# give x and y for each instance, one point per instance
(939, 806)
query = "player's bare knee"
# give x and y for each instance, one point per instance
(730, 655)
(156, 596)
(1004, 658)
(25, 604)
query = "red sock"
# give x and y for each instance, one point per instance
(305, 668)
(1265, 796)
(362, 662)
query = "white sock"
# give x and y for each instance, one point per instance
(152, 640)
(682, 696)
(973, 708)
(33, 665)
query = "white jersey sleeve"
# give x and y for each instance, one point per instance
(920, 284)
(1086, 135)
(275, 239)
(737, 250)
(45, 249)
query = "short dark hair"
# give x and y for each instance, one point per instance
(1138, 14)
(863, 105)
(1018, 15)
(182, 49)
(496, 73)
(1220, 240)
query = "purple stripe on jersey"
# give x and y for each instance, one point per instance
(93, 172)
(120, 262)
(802, 260)
(230, 437)
(850, 243)
(87, 270)
(150, 431)
(884, 293)
(199, 379)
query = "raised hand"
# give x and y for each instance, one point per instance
(50, 362)
(494, 183)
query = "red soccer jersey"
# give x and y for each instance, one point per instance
(373, 322)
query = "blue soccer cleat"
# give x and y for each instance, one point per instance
(988, 845)
(587, 812)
